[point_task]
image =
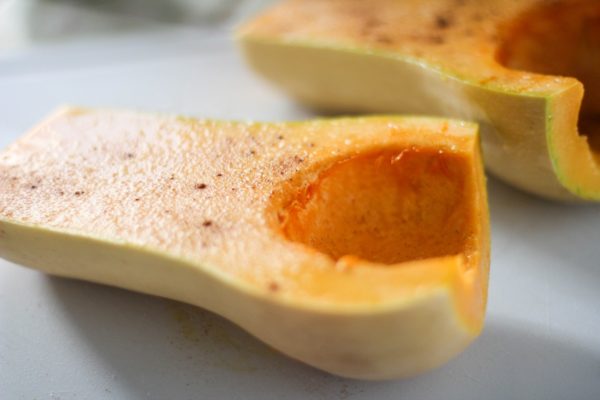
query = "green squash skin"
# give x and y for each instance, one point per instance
(517, 129)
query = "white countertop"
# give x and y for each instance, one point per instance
(61, 339)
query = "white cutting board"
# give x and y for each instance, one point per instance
(61, 339)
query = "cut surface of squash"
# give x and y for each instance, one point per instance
(357, 245)
(518, 68)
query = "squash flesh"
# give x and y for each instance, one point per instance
(561, 39)
(101, 196)
(386, 207)
(441, 58)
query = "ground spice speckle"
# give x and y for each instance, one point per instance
(442, 22)
(274, 287)
(436, 39)
(384, 39)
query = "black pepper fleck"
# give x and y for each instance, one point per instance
(200, 186)
(442, 22)
(207, 223)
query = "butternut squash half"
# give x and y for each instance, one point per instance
(358, 246)
(517, 67)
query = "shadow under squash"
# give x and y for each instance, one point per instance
(158, 349)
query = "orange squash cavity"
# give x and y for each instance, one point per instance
(387, 207)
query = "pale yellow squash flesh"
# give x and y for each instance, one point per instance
(517, 67)
(359, 246)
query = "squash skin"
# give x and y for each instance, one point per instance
(358, 339)
(338, 61)
(336, 342)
